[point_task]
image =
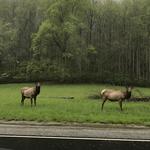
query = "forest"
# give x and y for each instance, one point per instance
(74, 41)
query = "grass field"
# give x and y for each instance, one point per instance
(81, 109)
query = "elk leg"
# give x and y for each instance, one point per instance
(34, 101)
(103, 104)
(120, 103)
(31, 102)
(22, 100)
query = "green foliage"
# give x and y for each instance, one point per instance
(33, 70)
(76, 40)
(7, 43)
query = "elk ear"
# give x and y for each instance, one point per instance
(38, 84)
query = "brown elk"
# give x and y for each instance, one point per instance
(30, 92)
(115, 95)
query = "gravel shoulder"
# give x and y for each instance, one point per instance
(74, 130)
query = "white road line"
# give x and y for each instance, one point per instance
(74, 138)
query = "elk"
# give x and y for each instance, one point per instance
(30, 92)
(115, 95)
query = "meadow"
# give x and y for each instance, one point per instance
(52, 108)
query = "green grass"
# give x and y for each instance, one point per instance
(81, 109)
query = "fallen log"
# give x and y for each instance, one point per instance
(58, 97)
(94, 96)
(138, 99)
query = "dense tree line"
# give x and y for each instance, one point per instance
(75, 41)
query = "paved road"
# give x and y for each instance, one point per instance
(74, 131)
